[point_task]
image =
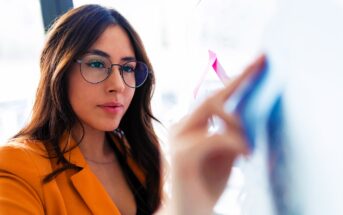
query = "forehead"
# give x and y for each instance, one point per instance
(115, 42)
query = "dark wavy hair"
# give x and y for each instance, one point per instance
(69, 38)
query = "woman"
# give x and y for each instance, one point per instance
(89, 147)
(79, 103)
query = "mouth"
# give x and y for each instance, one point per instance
(112, 107)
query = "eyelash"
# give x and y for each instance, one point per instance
(97, 63)
(91, 64)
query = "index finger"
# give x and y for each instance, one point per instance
(252, 70)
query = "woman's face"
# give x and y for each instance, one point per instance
(101, 106)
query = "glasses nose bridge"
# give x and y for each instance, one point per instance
(113, 65)
(110, 71)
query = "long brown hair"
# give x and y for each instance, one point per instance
(69, 38)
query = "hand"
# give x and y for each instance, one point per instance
(201, 161)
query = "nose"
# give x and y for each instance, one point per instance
(115, 82)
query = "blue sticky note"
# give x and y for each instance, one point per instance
(253, 102)
(246, 112)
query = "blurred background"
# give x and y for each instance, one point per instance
(177, 35)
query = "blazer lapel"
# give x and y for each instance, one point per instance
(93, 193)
(87, 184)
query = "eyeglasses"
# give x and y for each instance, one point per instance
(96, 68)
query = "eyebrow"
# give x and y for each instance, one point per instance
(104, 54)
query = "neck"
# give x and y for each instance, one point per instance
(93, 144)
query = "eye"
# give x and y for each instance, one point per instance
(128, 68)
(96, 64)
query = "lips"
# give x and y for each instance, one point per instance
(112, 107)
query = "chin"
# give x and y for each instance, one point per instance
(107, 125)
(111, 127)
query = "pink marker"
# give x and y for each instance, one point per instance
(217, 67)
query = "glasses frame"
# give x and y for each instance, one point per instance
(110, 71)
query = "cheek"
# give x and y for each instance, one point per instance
(77, 91)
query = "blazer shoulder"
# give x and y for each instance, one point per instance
(22, 169)
(24, 159)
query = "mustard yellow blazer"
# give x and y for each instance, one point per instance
(24, 164)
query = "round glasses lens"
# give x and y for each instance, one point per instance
(94, 68)
(134, 73)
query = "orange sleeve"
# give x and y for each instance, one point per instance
(20, 188)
